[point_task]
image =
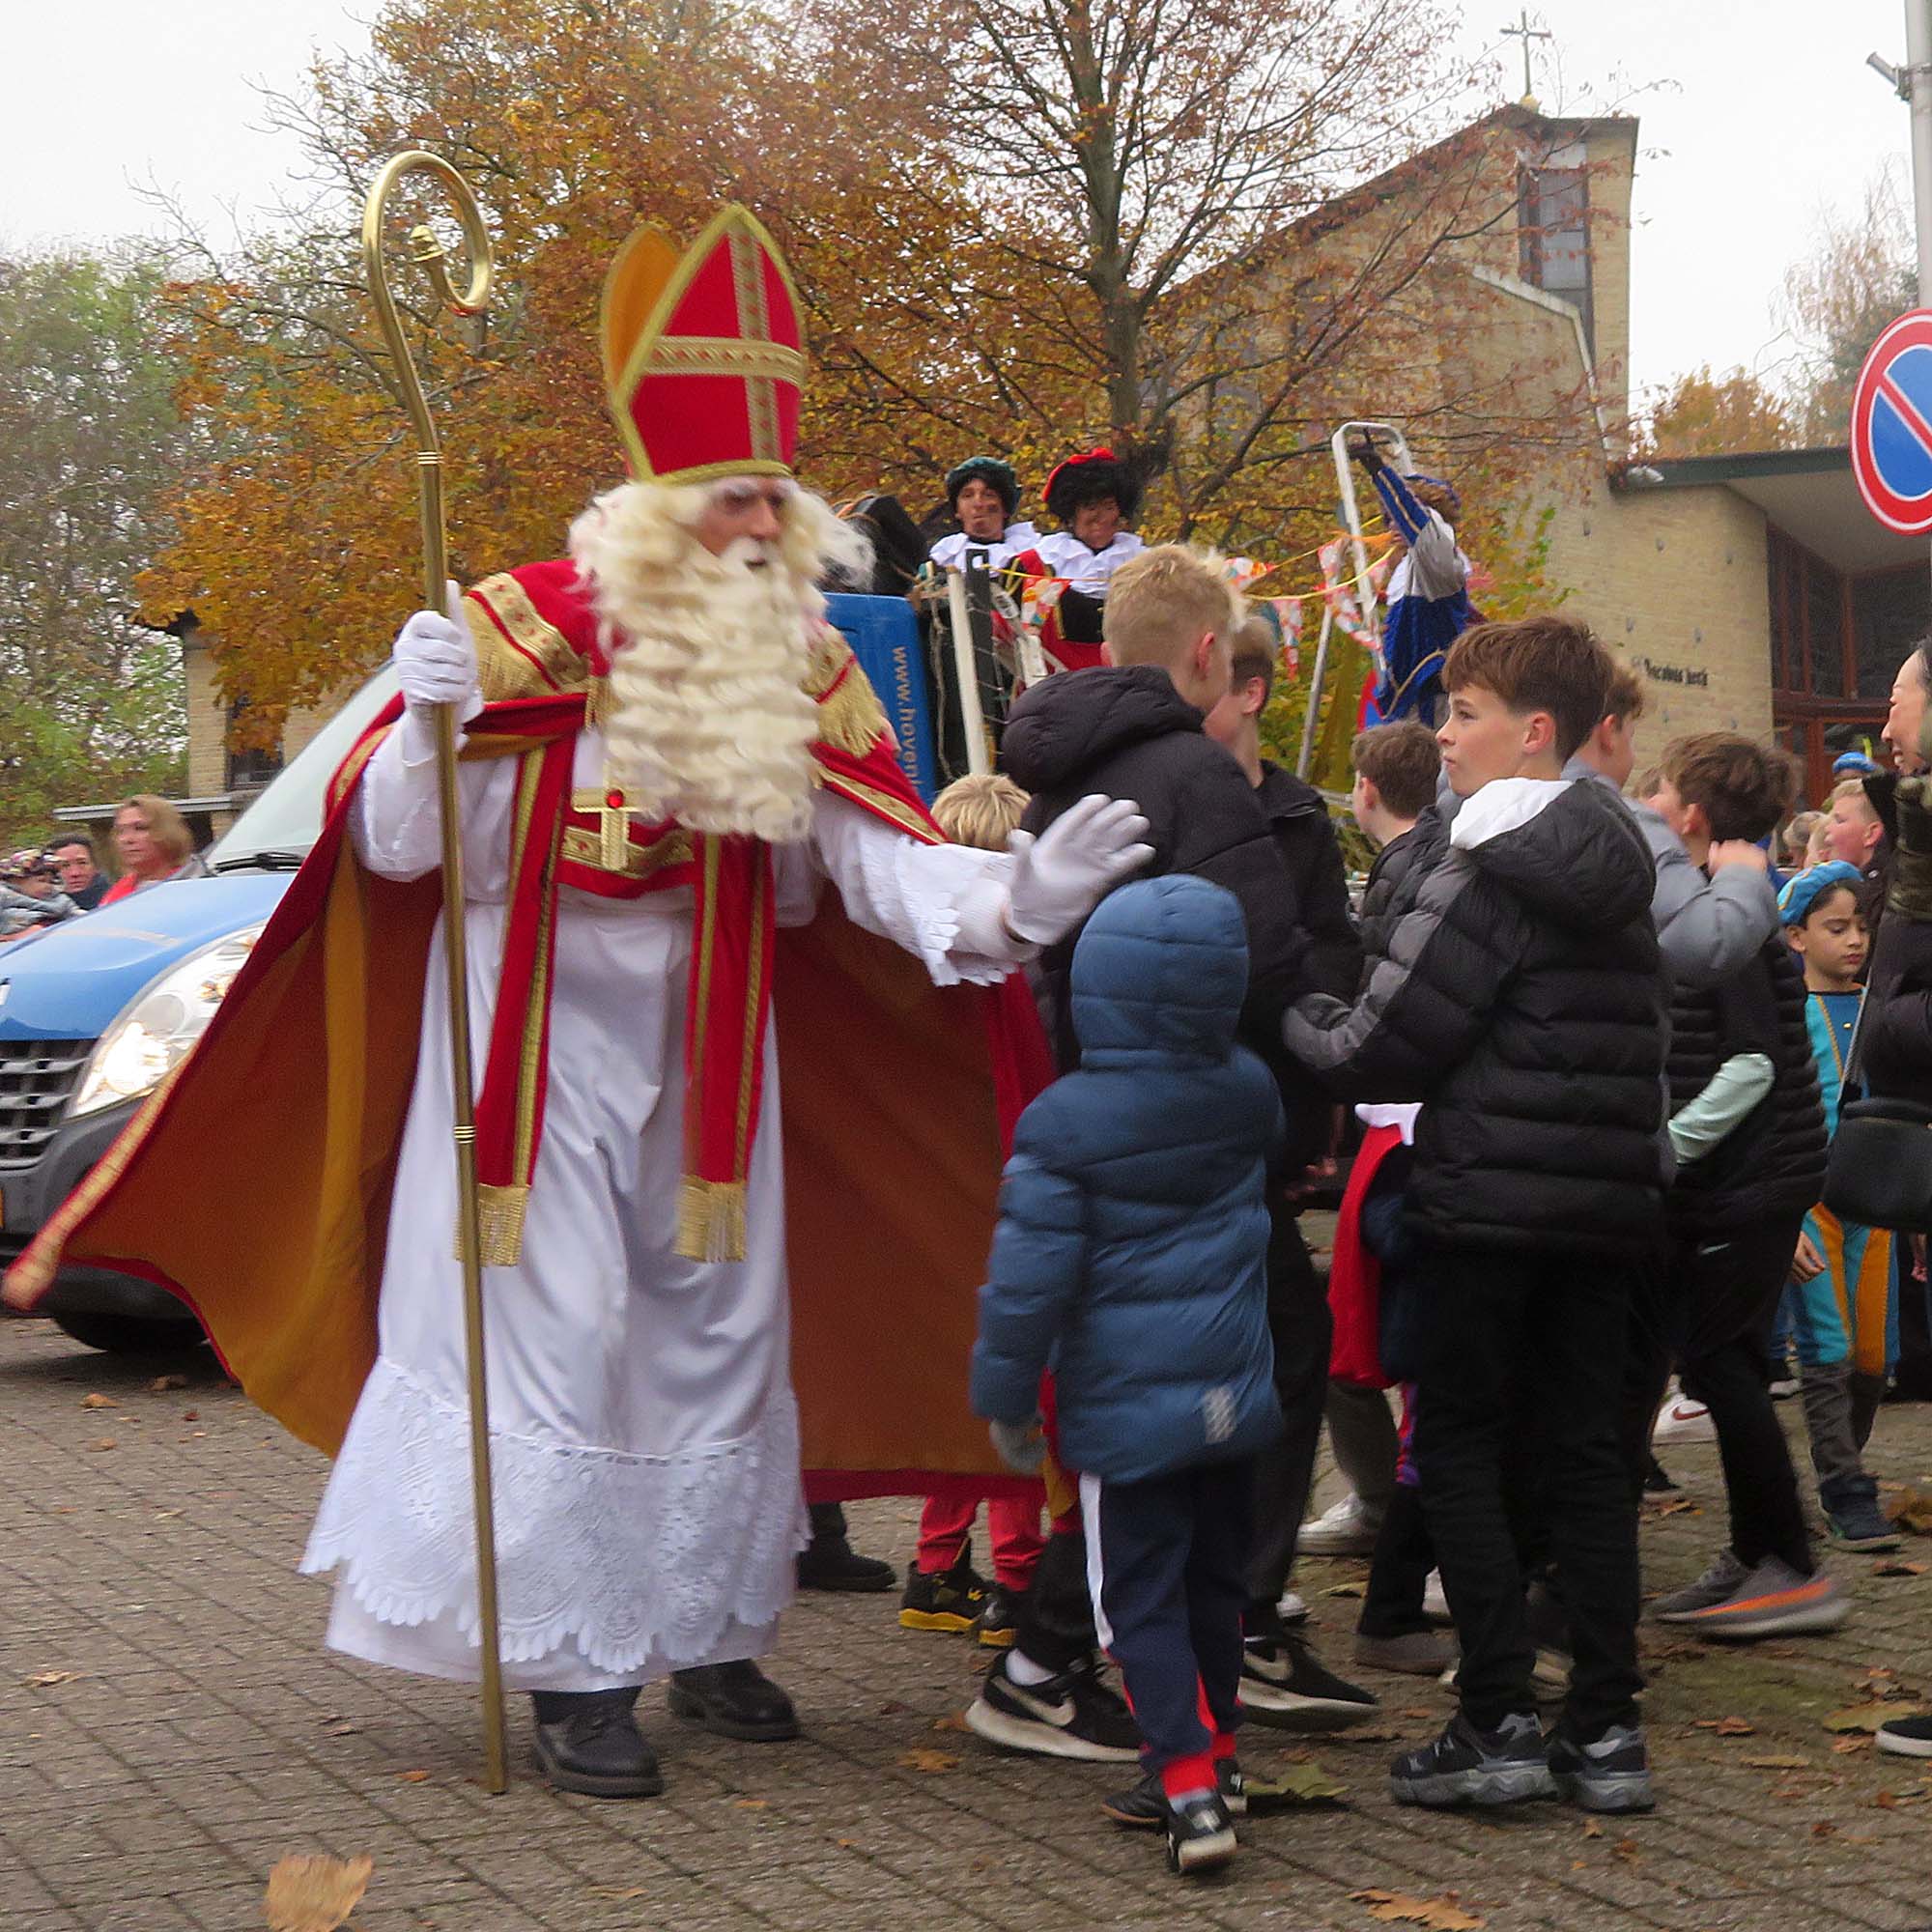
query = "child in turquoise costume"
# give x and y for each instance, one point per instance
(1843, 1315)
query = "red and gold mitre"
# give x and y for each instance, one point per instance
(703, 355)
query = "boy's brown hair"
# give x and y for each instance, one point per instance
(1255, 649)
(1161, 601)
(1538, 664)
(1745, 789)
(980, 810)
(1626, 694)
(1401, 761)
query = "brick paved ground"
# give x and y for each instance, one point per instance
(171, 1727)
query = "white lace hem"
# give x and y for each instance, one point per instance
(627, 1559)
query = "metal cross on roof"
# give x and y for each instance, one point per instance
(1525, 33)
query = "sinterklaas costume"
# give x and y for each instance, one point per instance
(740, 1123)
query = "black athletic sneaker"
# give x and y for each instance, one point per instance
(1200, 1835)
(1072, 1715)
(1285, 1684)
(950, 1599)
(1466, 1766)
(1657, 1481)
(1143, 1806)
(999, 1617)
(1610, 1774)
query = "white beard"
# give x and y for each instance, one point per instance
(708, 723)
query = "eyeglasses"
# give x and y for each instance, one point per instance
(737, 498)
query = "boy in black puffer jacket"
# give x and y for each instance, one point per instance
(1521, 1002)
(1137, 724)
(1748, 1129)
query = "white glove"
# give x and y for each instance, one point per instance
(1020, 1445)
(1060, 876)
(436, 663)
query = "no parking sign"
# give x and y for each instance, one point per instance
(1892, 426)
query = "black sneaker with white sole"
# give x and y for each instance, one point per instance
(1199, 1834)
(1071, 1715)
(1143, 1806)
(1612, 1774)
(1466, 1766)
(1286, 1686)
(1906, 1737)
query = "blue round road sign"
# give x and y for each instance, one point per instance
(1892, 426)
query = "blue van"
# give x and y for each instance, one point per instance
(95, 1013)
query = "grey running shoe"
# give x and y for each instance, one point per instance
(1717, 1583)
(1466, 1766)
(1774, 1601)
(1610, 1774)
(1425, 1653)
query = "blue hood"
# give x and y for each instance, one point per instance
(72, 981)
(1161, 967)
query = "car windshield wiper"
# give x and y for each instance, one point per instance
(271, 859)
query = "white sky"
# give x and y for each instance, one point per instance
(1770, 119)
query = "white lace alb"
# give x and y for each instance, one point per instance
(626, 1557)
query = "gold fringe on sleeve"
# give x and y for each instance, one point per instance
(850, 717)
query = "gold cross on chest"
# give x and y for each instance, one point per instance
(608, 805)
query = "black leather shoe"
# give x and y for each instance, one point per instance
(829, 1562)
(588, 1742)
(732, 1700)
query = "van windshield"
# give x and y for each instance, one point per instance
(286, 820)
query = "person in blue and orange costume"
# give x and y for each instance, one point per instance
(724, 1113)
(1842, 1312)
(1428, 595)
(1093, 498)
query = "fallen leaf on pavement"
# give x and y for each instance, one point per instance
(1416, 1711)
(1593, 1828)
(894, 1709)
(1440, 1915)
(1823, 1829)
(753, 1804)
(414, 1776)
(104, 1442)
(314, 1894)
(1847, 1744)
(1672, 1506)
(1346, 1590)
(1627, 1848)
(619, 1890)
(162, 1383)
(190, 1415)
(953, 1720)
(45, 1680)
(168, 1516)
(1295, 1785)
(1725, 1727)
(1899, 1566)
(1780, 1763)
(98, 1402)
(1911, 1509)
(1867, 1717)
(342, 1728)
(928, 1760)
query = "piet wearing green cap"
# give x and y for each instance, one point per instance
(984, 493)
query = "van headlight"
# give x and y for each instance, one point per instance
(154, 1034)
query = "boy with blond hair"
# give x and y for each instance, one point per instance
(1131, 727)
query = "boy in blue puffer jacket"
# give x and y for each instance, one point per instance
(1130, 1258)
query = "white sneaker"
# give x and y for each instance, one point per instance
(1345, 1530)
(1435, 1601)
(1683, 1420)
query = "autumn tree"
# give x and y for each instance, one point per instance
(1702, 414)
(1013, 228)
(89, 699)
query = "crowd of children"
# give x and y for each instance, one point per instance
(1593, 1061)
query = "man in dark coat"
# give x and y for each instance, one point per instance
(1521, 1002)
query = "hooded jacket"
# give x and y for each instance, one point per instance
(1132, 1242)
(1520, 1000)
(1128, 733)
